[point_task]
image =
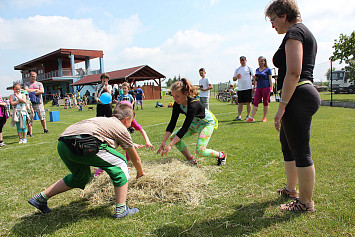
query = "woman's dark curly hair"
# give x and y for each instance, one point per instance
(283, 7)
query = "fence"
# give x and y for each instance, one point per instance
(341, 94)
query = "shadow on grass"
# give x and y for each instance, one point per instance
(7, 137)
(44, 224)
(240, 122)
(245, 220)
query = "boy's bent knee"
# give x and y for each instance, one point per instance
(76, 181)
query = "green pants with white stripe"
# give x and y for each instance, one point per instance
(108, 159)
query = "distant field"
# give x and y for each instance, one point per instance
(326, 96)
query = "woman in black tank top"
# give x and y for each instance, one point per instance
(295, 60)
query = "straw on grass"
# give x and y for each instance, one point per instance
(168, 180)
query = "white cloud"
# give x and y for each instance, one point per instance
(127, 28)
(192, 41)
(184, 53)
(46, 33)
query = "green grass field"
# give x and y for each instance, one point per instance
(326, 96)
(242, 200)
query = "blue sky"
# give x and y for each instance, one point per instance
(173, 37)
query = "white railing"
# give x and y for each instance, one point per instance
(65, 73)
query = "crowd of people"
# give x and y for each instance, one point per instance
(92, 142)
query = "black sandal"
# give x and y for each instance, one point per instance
(297, 206)
(286, 193)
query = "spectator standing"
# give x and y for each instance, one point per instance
(37, 88)
(85, 100)
(103, 110)
(3, 117)
(19, 113)
(299, 101)
(125, 96)
(205, 87)
(245, 87)
(116, 94)
(78, 96)
(131, 92)
(75, 101)
(263, 78)
(139, 96)
(120, 88)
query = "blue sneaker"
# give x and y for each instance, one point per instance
(128, 212)
(42, 206)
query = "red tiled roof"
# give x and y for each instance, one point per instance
(139, 73)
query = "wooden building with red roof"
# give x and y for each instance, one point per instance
(152, 89)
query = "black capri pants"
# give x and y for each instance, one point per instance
(104, 110)
(295, 132)
(2, 122)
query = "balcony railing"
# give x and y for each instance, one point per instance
(65, 73)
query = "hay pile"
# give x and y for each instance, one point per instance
(170, 180)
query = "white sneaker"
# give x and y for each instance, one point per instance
(2, 144)
(24, 140)
(20, 141)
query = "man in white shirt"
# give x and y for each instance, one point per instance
(244, 76)
(205, 87)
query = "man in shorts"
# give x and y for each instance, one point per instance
(37, 87)
(244, 76)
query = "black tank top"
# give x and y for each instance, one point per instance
(301, 33)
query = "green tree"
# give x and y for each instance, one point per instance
(345, 51)
(171, 81)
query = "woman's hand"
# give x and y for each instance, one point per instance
(161, 148)
(166, 150)
(278, 117)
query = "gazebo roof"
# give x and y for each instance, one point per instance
(140, 73)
